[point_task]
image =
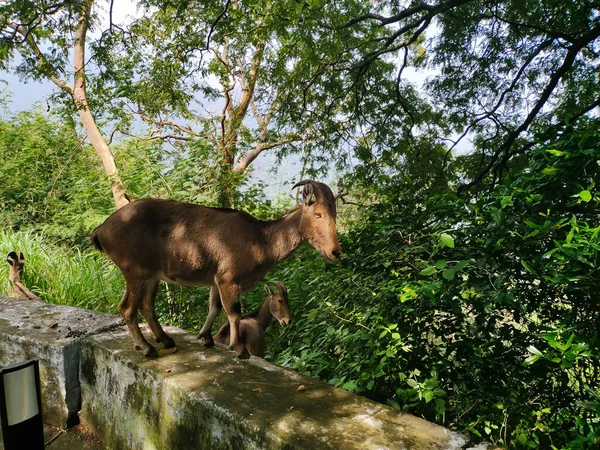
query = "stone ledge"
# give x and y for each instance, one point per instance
(50, 333)
(207, 398)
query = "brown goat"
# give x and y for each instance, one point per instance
(16, 289)
(154, 239)
(253, 326)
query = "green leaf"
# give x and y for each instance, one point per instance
(570, 236)
(528, 267)
(412, 383)
(557, 152)
(531, 224)
(550, 170)
(448, 274)
(428, 395)
(393, 404)
(586, 196)
(441, 263)
(428, 271)
(461, 265)
(440, 405)
(349, 386)
(506, 200)
(446, 240)
(534, 350)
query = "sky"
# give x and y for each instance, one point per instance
(26, 93)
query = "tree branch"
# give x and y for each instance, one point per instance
(154, 137)
(163, 123)
(41, 60)
(572, 52)
(258, 149)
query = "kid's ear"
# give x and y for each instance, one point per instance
(12, 258)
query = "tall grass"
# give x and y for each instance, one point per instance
(86, 278)
(65, 276)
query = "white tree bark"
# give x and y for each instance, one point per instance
(85, 115)
(78, 93)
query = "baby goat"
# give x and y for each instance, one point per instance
(16, 289)
(253, 326)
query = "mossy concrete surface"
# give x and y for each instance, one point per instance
(51, 334)
(197, 398)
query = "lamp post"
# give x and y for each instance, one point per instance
(21, 406)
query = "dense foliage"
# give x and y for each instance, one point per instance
(480, 313)
(49, 178)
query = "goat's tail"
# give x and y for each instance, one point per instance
(95, 240)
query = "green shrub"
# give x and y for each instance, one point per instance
(480, 314)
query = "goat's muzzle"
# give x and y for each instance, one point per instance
(337, 255)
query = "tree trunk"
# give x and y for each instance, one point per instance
(85, 115)
(226, 181)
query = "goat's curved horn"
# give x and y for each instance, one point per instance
(302, 183)
(280, 287)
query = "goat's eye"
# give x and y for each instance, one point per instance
(281, 301)
(318, 215)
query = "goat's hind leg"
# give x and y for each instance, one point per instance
(214, 309)
(129, 308)
(149, 314)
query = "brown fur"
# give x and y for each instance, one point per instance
(253, 326)
(231, 251)
(16, 288)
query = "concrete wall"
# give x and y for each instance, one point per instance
(52, 334)
(191, 397)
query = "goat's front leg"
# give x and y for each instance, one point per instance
(213, 311)
(230, 299)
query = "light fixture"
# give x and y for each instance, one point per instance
(21, 406)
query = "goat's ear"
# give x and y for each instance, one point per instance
(268, 289)
(307, 194)
(21, 257)
(11, 258)
(280, 288)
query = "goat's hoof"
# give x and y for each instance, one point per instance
(167, 341)
(244, 355)
(151, 352)
(148, 351)
(208, 340)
